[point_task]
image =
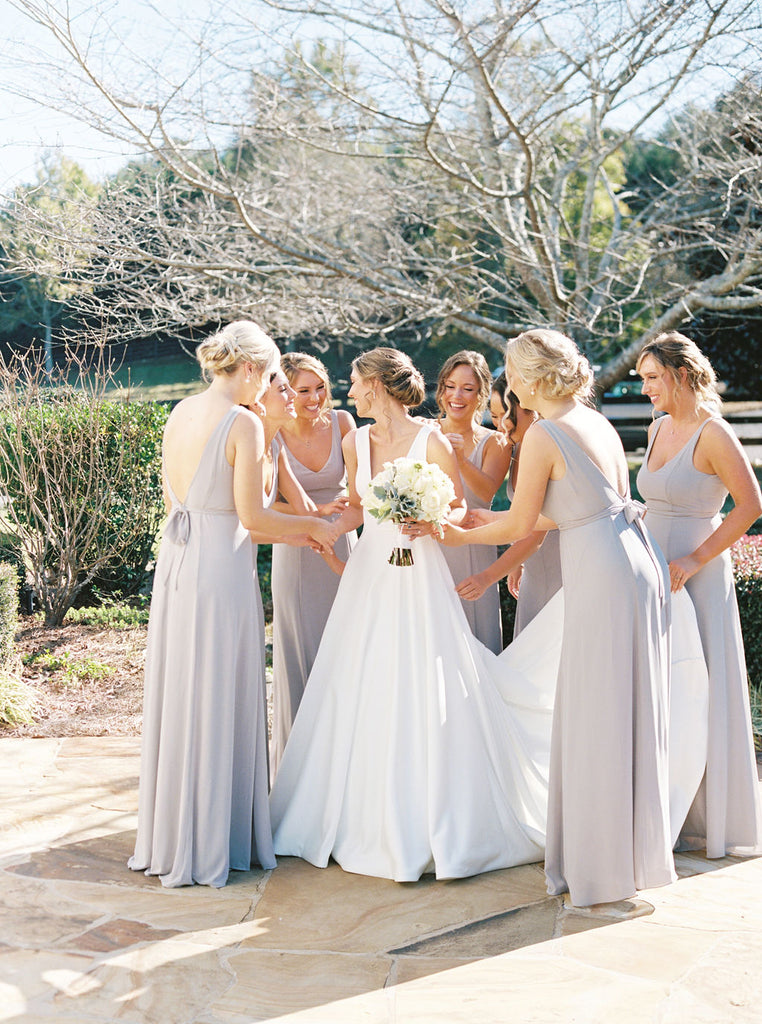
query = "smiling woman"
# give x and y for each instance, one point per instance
(692, 463)
(303, 583)
(463, 393)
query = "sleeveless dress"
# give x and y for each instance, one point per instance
(483, 615)
(608, 828)
(541, 578)
(202, 805)
(303, 589)
(415, 749)
(683, 510)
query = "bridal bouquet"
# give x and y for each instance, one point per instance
(406, 489)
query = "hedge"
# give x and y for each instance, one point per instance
(746, 554)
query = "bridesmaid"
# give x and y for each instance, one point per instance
(463, 393)
(303, 584)
(692, 462)
(608, 830)
(202, 805)
(532, 565)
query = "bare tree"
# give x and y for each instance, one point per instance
(459, 161)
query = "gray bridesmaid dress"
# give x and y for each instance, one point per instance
(608, 816)
(203, 802)
(541, 578)
(683, 510)
(483, 616)
(303, 588)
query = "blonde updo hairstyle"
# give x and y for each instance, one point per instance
(476, 362)
(293, 363)
(675, 352)
(550, 362)
(396, 373)
(240, 342)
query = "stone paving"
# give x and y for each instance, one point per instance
(83, 939)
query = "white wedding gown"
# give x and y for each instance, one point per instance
(415, 749)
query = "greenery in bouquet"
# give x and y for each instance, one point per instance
(405, 490)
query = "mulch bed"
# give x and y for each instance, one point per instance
(69, 702)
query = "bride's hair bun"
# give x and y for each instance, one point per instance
(396, 373)
(552, 363)
(240, 342)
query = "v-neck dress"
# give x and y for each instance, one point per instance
(483, 615)
(683, 510)
(203, 802)
(608, 831)
(303, 588)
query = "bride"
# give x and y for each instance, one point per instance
(410, 752)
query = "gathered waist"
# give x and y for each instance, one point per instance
(676, 513)
(633, 511)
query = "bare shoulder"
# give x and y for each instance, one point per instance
(349, 441)
(718, 437)
(437, 444)
(346, 421)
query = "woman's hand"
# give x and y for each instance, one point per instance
(479, 517)
(681, 570)
(454, 536)
(472, 588)
(325, 533)
(458, 445)
(513, 581)
(414, 528)
(335, 507)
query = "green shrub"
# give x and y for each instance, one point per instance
(113, 616)
(124, 575)
(747, 570)
(12, 552)
(83, 477)
(8, 613)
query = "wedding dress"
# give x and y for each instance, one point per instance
(415, 749)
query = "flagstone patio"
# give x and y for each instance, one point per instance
(83, 939)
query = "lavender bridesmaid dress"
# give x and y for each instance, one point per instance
(683, 510)
(483, 616)
(203, 802)
(303, 588)
(608, 831)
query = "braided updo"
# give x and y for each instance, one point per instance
(240, 342)
(676, 352)
(552, 363)
(396, 373)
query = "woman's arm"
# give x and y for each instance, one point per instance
(496, 459)
(474, 586)
(245, 450)
(719, 451)
(540, 458)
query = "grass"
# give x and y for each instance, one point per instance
(112, 616)
(17, 700)
(69, 670)
(164, 379)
